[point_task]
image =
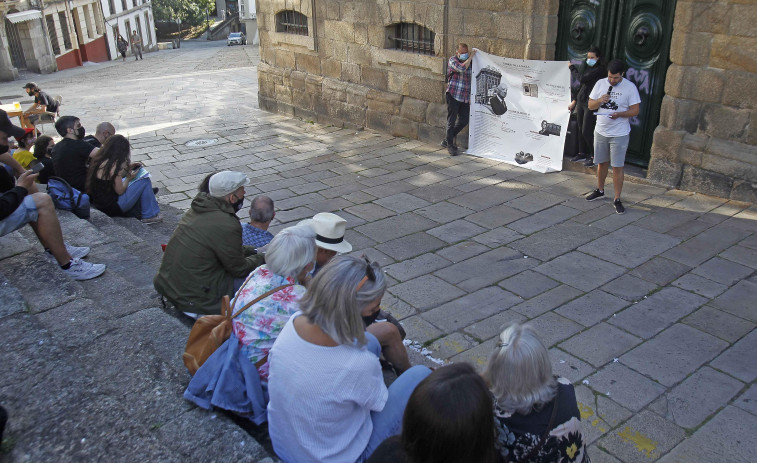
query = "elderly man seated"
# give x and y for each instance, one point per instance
(103, 131)
(205, 259)
(256, 232)
(329, 239)
(22, 204)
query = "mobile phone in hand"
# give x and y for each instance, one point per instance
(37, 168)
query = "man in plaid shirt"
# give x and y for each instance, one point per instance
(458, 95)
(256, 232)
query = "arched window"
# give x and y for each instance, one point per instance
(411, 37)
(291, 22)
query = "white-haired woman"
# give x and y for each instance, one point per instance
(536, 412)
(235, 377)
(328, 398)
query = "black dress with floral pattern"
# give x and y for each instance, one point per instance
(518, 434)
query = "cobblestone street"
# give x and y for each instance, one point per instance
(651, 314)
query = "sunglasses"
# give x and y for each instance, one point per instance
(370, 273)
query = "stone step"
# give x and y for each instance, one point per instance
(92, 370)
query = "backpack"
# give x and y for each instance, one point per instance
(68, 198)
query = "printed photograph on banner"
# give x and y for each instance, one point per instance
(519, 111)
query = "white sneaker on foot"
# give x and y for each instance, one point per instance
(158, 218)
(76, 252)
(82, 270)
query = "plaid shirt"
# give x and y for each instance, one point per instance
(459, 80)
(253, 236)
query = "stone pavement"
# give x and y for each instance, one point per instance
(651, 314)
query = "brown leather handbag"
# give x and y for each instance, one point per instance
(210, 331)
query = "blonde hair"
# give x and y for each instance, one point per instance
(519, 371)
(333, 301)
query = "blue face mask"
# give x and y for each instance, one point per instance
(464, 56)
(591, 62)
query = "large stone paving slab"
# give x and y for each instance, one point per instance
(674, 354)
(426, 292)
(729, 436)
(554, 241)
(486, 269)
(600, 344)
(645, 437)
(580, 270)
(630, 246)
(470, 308)
(625, 386)
(657, 312)
(739, 300)
(592, 307)
(738, 360)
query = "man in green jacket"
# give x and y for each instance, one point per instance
(205, 259)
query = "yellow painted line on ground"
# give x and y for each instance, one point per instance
(643, 443)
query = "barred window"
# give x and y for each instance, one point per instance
(291, 22)
(412, 37)
(52, 33)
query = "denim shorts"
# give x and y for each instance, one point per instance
(25, 213)
(611, 149)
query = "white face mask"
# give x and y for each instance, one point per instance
(464, 56)
(591, 62)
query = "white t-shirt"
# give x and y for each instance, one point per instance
(321, 399)
(622, 96)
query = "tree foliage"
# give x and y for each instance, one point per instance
(190, 12)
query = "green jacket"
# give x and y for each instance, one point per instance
(204, 256)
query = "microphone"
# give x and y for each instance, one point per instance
(609, 90)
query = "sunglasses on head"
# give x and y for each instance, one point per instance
(370, 273)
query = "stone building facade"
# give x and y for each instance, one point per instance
(345, 68)
(707, 137)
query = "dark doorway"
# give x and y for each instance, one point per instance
(14, 44)
(636, 31)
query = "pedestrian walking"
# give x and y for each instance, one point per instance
(136, 45)
(123, 45)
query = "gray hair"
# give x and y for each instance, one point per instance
(333, 301)
(520, 371)
(105, 127)
(261, 209)
(290, 251)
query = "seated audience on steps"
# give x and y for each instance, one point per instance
(25, 142)
(71, 155)
(328, 402)
(235, 376)
(205, 259)
(22, 204)
(43, 151)
(113, 186)
(448, 418)
(329, 239)
(536, 413)
(256, 232)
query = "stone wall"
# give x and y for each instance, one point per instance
(343, 72)
(707, 137)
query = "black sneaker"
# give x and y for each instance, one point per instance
(444, 143)
(452, 150)
(589, 162)
(578, 158)
(619, 207)
(596, 194)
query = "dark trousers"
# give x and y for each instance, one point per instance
(586, 120)
(458, 114)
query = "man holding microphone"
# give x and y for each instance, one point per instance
(616, 100)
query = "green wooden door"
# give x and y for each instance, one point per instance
(636, 31)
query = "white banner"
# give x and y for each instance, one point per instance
(519, 111)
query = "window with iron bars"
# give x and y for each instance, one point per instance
(413, 38)
(291, 22)
(52, 33)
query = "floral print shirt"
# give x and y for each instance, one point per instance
(518, 434)
(259, 326)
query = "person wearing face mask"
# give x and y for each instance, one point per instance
(205, 259)
(71, 155)
(43, 151)
(594, 69)
(458, 95)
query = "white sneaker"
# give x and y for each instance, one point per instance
(82, 270)
(75, 251)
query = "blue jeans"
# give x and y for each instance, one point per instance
(138, 200)
(388, 422)
(26, 212)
